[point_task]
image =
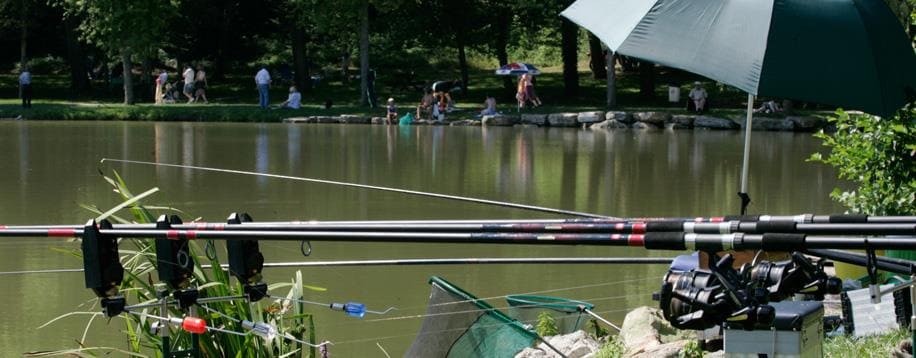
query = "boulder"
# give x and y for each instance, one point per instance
(708, 122)
(773, 124)
(657, 119)
(681, 121)
(591, 117)
(325, 119)
(620, 116)
(377, 120)
(299, 120)
(644, 126)
(574, 345)
(437, 123)
(536, 119)
(525, 125)
(563, 120)
(353, 119)
(499, 120)
(608, 125)
(645, 328)
(465, 122)
(667, 350)
(808, 123)
(422, 122)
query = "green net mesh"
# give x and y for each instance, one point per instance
(457, 324)
(565, 312)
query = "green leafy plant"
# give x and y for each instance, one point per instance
(613, 348)
(691, 350)
(546, 325)
(878, 155)
(139, 261)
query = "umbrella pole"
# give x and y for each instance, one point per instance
(745, 198)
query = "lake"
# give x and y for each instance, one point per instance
(50, 169)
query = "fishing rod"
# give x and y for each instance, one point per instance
(650, 240)
(371, 187)
(602, 226)
(422, 262)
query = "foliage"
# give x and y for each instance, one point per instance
(614, 348)
(546, 325)
(691, 350)
(139, 263)
(596, 329)
(878, 155)
(864, 347)
(116, 25)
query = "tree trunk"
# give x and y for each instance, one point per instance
(364, 52)
(24, 33)
(596, 58)
(79, 82)
(647, 80)
(569, 50)
(300, 66)
(611, 79)
(128, 77)
(223, 42)
(463, 64)
(501, 40)
(146, 83)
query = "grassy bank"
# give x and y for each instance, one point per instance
(234, 99)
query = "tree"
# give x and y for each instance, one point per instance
(123, 28)
(364, 52)
(878, 155)
(569, 38)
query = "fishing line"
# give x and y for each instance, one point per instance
(264, 330)
(365, 186)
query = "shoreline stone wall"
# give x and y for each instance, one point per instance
(600, 120)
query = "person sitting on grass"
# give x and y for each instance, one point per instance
(489, 107)
(769, 107)
(392, 115)
(698, 95)
(294, 101)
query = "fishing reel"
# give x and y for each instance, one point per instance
(783, 279)
(246, 261)
(700, 299)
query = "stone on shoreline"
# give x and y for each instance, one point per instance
(608, 125)
(656, 119)
(563, 120)
(499, 120)
(325, 119)
(681, 121)
(646, 333)
(377, 120)
(354, 119)
(644, 126)
(808, 123)
(535, 119)
(773, 124)
(465, 122)
(574, 345)
(299, 120)
(591, 117)
(620, 116)
(714, 123)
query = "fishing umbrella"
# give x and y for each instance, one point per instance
(848, 53)
(518, 68)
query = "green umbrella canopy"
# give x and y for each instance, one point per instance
(848, 53)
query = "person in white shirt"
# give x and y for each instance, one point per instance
(25, 87)
(262, 80)
(698, 95)
(294, 101)
(189, 83)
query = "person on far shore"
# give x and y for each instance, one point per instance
(426, 105)
(262, 80)
(161, 78)
(698, 95)
(489, 105)
(25, 87)
(188, 89)
(294, 101)
(529, 90)
(200, 85)
(392, 115)
(520, 94)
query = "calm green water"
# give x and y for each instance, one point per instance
(50, 168)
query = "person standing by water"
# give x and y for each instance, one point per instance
(262, 80)
(529, 90)
(162, 79)
(520, 94)
(25, 87)
(200, 85)
(392, 114)
(188, 83)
